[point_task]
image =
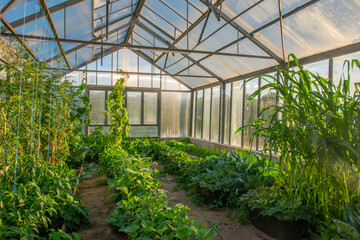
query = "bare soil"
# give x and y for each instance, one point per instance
(228, 228)
(94, 193)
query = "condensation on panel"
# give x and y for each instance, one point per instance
(236, 112)
(215, 114)
(206, 116)
(134, 107)
(143, 131)
(175, 114)
(150, 108)
(97, 100)
(227, 113)
(250, 111)
(199, 113)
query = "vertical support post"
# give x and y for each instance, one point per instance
(243, 112)
(210, 117)
(230, 112)
(331, 69)
(222, 113)
(202, 118)
(281, 30)
(195, 96)
(258, 111)
(191, 113)
(159, 112)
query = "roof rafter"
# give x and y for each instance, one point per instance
(138, 9)
(86, 44)
(183, 53)
(7, 6)
(35, 16)
(305, 5)
(18, 37)
(247, 34)
(53, 28)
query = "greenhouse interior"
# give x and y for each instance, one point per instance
(188, 119)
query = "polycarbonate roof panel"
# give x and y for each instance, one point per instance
(21, 9)
(195, 82)
(323, 26)
(310, 27)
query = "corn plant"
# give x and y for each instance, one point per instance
(316, 133)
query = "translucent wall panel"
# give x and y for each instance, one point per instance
(236, 112)
(199, 113)
(150, 108)
(97, 100)
(175, 114)
(215, 114)
(338, 70)
(104, 79)
(105, 64)
(267, 99)
(91, 78)
(250, 110)
(206, 116)
(227, 113)
(133, 107)
(132, 81)
(143, 131)
(144, 81)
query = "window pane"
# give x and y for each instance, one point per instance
(227, 113)
(134, 107)
(175, 114)
(143, 131)
(150, 108)
(236, 112)
(206, 117)
(250, 110)
(215, 114)
(199, 110)
(97, 100)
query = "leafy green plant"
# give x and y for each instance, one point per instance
(143, 211)
(350, 227)
(120, 123)
(316, 133)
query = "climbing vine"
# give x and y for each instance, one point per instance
(120, 124)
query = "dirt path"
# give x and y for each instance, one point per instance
(229, 229)
(94, 193)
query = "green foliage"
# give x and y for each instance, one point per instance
(43, 201)
(120, 123)
(316, 133)
(43, 91)
(275, 202)
(143, 211)
(350, 227)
